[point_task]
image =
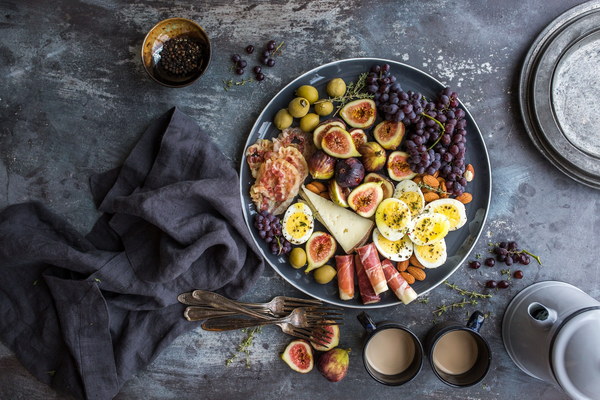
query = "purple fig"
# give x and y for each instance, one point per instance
(349, 172)
(321, 165)
(333, 365)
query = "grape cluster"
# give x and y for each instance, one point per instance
(266, 58)
(435, 130)
(269, 229)
(509, 253)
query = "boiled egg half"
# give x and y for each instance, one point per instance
(429, 228)
(393, 218)
(410, 193)
(432, 255)
(298, 223)
(453, 209)
(399, 250)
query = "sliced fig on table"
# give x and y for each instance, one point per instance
(359, 113)
(328, 343)
(389, 134)
(398, 167)
(338, 143)
(365, 198)
(299, 356)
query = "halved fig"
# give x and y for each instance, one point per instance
(359, 113)
(338, 194)
(365, 198)
(299, 356)
(338, 143)
(398, 167)
(359, 137)
(323, 127)
(389, 134)
(333, 341)
(386, 184)
(320, 248)
(373, 156)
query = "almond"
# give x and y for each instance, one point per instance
(417, 179)
(444, 190)
(320, 186)
(430, 196)
(436, 174)
(408, 277)
(469, 173)
(325, 195)
(465, 198)
(402, 265)
(413, 261)
(430, 180)
(313, 188)
(418, 273)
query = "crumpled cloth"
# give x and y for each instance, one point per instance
(84, 314)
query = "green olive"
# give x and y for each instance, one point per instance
(336, 87)
(298, 107)
(298, 257)
(324, 274)
(310, 93)
(309, 122)
(324, 108)
(283, 119)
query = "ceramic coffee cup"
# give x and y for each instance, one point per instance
(392, 354)
(458, 354)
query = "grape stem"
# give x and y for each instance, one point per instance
(537, 258)
(441, 127)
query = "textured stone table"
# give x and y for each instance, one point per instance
(74, 99)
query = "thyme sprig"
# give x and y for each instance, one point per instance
(354, 91)
(468, 293)
(506, 272)
(230, 83)
(433, 189)
(244, 346)
(278, 50)
(460, 304)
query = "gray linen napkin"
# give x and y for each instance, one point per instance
(83, 314)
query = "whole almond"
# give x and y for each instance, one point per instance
(418, 273)
(319, 185)
(402, 265)
(313, 188)
(417, 179)
(430, 181)
(444, 190)
(469, 173)
(465, 198)
(430, 196)
(325, 195)
(436, 174)
(408, 277)
(413, 261)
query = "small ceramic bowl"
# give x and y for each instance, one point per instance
(153, 44)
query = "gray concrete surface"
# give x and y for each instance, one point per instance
(74, 99)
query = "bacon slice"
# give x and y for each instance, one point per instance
(277, 182)
(370, 260)
(293, 156)
(297, 138)
(397, 283)
(345, 276)
(257, 154)
(367, 294)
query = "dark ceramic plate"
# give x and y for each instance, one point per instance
(459, 243)
(559, 86)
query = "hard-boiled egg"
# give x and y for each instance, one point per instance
(453, 209)
(410, 193)
(431, 255)
(398, 250)
(392, 218)
(298, 223)
(429, 228)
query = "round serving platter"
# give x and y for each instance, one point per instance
(459, 243)
(558, 90)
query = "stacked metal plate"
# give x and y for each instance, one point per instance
(560, 93)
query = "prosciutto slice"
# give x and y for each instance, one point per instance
(370, 261)
(397, 283)
(345, 276)
(367, 294)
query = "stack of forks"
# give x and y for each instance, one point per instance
(301, 318)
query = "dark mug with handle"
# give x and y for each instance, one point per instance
(392, 354)
(458, 354)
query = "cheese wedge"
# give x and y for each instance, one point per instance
(349, 229)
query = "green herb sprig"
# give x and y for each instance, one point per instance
(244, 346)
(468, 293)
(230, 83)
(447, 307)
(354, 91)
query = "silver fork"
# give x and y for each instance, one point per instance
(199, 313)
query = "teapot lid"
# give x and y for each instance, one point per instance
(576, 355)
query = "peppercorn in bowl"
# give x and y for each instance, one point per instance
(176, 52)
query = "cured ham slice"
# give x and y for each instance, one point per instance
(297, 138)
(345, 276)
(370, 261)
(257, 154)
(397, 283)
(367, 294)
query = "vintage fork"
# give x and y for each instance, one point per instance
(199, 313)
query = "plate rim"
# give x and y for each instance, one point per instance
(256, 126)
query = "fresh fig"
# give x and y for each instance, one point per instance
(365, 198)
(333, 365)
(338, 143)
(320, 248)
(389, 134)
(349, 173)
(398, 167)
(386, 184)
(321, 165)
(338, 194)
(359, 113)
(323, 127)
(373, 156)
(332, 342)
(359, 137)
(299, 356)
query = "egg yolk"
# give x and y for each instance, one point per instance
(429, 229)
(449, 211)
(413, 201)
(297, 225)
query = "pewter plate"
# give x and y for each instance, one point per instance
(459, 243)
(559, 91)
